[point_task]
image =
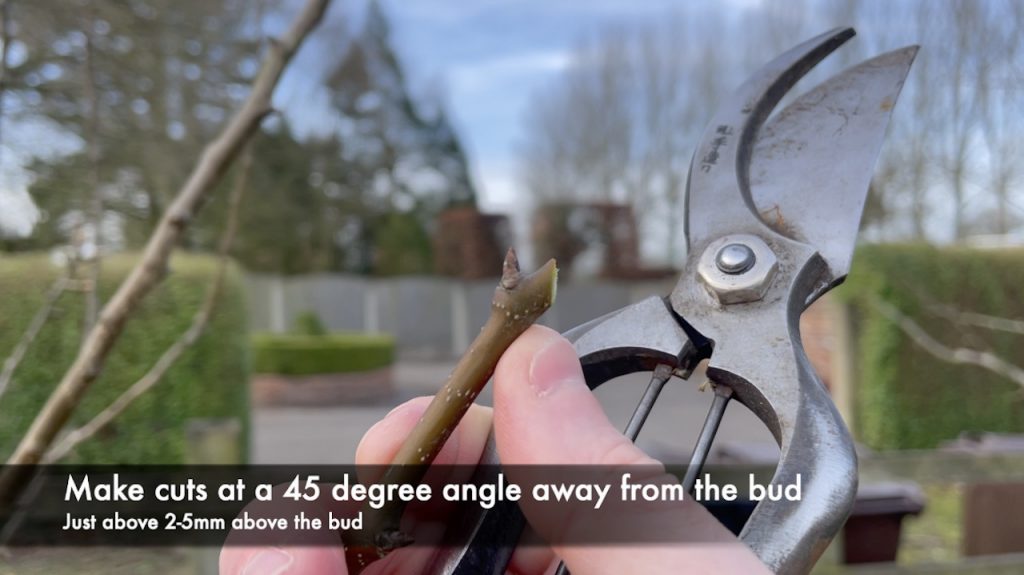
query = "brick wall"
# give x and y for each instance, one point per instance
(817, 328)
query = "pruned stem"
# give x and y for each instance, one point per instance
(518, 302)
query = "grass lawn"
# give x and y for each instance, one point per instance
(934, 536)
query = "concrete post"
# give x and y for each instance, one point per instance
(460, 318)
(371, 308)
(277, 303)
(844, 361)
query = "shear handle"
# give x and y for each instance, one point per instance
(759, 354)
(816, 451)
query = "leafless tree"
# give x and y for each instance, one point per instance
(71, 440)
(621, 122)
(207, 173)
(156, 373)
(951, 168)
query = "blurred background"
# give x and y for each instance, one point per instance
(411, 144)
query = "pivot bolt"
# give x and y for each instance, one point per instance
(735, 259)
(737, 268)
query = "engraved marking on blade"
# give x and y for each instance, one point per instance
(710, 158)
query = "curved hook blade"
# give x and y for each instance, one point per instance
(718, 197)
(813, 161)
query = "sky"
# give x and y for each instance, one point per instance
(490, 56)
(485, 58)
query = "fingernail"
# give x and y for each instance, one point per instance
(553, 365)
(272, 561)
(399, 409)
(415, 407)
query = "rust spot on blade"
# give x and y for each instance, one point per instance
(887, 104)
(774, 218)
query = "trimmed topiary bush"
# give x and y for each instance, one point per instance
(906, 398)
(308, 323)
(209, 380)
(299, 354)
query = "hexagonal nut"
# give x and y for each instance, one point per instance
(744, 287)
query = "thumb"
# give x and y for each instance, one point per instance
(544, 414)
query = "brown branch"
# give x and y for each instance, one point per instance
(956, 355)
(199, 322)
(33, 329)
(518, 302)
(212, 164)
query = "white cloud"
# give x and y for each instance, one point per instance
(448, 12)
(482, 74)
(499, 188)
(746, 4)
(500, 192)
(17, 213)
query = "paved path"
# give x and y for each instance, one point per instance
(331, 434)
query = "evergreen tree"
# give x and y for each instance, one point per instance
(399, 158)
(166, 72)
(143, 85)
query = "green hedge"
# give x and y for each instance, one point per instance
(904, 397)
(298, 354)
(208, 381)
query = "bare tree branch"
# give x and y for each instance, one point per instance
(199, 322)
(955, 315)
(616, 127)
(34, 327)
(213, 163)
(957, 355)
(985, 321)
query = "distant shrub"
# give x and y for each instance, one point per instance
(208, 381)
(293, 354)
(308, 323)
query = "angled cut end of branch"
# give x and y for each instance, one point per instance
(519, 300)
(525, 296)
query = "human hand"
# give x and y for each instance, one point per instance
(543, 414)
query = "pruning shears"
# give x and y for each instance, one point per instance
(773, 205)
